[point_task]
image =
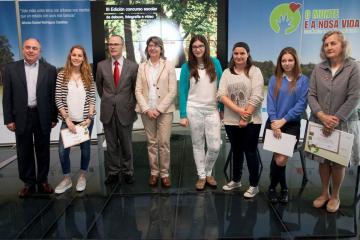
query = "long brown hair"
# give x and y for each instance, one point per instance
(279, 71)
(249, 62)
(208, 63)
(85, 69)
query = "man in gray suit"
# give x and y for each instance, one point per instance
(115, 82)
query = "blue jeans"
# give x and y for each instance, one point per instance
(64, 154)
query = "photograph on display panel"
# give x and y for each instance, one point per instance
(174, 21)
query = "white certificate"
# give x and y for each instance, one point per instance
(284, 145)
(330, 143)
(336, 147)
(71, 139)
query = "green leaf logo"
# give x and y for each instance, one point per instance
(285, 18)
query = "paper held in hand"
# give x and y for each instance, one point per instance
(71, 139)
(284, 145)
(336, 147)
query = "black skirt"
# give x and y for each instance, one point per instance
(292, 128)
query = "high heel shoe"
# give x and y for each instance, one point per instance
(320, 202)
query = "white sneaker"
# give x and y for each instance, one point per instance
(231, 185)
(251, 192)
(64, 185)
(81, 184)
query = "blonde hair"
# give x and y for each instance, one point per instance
(85, 69)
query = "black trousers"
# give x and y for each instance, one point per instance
(25, 142)
(245, 141)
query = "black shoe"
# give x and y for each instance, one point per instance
(284, 196)
(129, 178)
(26, 191)
(45, 188)
(111, 179)
(272, 195)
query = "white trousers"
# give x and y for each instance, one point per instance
(205, 126)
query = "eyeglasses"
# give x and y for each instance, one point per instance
(31, 47)
(198, 47)
(153, 46)
(113, 44)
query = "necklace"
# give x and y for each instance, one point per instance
(201, 66)
(77, 82)
(76, 77)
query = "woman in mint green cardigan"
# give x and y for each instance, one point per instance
(199, 81)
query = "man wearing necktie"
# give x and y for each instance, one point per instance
(115, 82)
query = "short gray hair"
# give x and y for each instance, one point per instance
(344, 43)
(115, 35)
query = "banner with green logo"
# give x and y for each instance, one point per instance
(269, 26)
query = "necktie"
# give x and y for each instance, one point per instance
(116, 73)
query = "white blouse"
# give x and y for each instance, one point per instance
(76, 100)
(203, 93)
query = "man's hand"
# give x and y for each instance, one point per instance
(11, 126)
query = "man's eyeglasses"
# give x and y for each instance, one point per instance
(113, 44)
(31, 47)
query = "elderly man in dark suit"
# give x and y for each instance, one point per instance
(115, 81)
(30, 111)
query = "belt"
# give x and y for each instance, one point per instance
(32, 108)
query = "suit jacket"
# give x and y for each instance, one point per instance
(166, 87)
(15, 95)
(120, 99)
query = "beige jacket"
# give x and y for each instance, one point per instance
(166, 87)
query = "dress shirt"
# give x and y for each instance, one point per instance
(31, 72)
(153, 73)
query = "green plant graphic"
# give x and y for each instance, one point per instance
(285, 18)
